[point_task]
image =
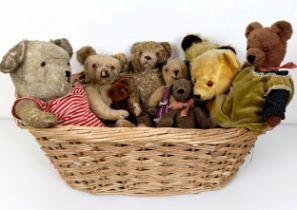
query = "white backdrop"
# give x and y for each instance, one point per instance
(112, 26)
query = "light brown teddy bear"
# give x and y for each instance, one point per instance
(147, 59)
(101, 71)
(41, 74)
(174, 69)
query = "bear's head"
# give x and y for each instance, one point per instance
(212, 67)
(120, 90)
(266, 46)
(182, 90)
(174, 69)
(101, 69)
(149, 55)
(40, 69)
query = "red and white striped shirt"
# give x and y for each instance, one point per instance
(72, 109)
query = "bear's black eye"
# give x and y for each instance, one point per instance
(112, 67)
(43, 63)
(166, 70)
(266, 49)
(248, 47)
(194, 81)
(94, 65)
(68, 64)
(157, 54)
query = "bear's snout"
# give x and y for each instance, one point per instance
(251, 59)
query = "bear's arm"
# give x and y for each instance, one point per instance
(156, 97)
(31, 114)
(99, 107)
(276, 103)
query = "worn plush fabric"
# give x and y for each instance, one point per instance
(244, 105)
(72, 109)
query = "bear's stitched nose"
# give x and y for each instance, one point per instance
(147, 57)
(104, 74)
(251, 58)
(176, 72)
(67, 73)
(180, 91)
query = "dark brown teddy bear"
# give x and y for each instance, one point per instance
(182, 111)
(122, 98)
(147, 59)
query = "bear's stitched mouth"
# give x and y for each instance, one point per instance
(175, 77)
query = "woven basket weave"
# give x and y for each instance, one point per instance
(145, 161)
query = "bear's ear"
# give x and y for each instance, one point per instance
(229, 58)
(167, 47)
(252, 26)
(83, 53)
(189, 40)
(123, 61)
(13, 58)
(65, 44)
(227, 47)
(283, 29)
(135, 46)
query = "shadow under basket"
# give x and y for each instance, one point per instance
(145, 161)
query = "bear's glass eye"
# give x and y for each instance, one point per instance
(68, 64)
(112, 67)
(210, 83)
(43, 63)
(266, 49)
(194, 81)
(157, 54)
(94, 65)
(248, 47)
(166, 70)
(140, 53)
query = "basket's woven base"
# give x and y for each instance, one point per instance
(145, 161)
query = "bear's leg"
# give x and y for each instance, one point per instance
(202, 119)
(145, 120)
(168, 120)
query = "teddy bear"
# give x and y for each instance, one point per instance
(182, 112)
(101, 71)
(122, 98)
(260, 91)
(41, 75)
(212, 67)
(174, 69)
(147, 59)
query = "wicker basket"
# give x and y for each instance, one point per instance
(145, 161)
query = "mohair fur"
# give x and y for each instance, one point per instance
(174, 69)
(101, 71)
(38, 69)
(259, 97)
(122, 98)
(212, 68)
(197, 117)
(147, 59)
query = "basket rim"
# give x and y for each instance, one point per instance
(143, 134)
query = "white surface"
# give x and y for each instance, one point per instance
(114, 25)
(266, 181)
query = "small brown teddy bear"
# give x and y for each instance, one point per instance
(101, 71)
(147, 59)
(122, 98)
(174, 69)
(182, 112)
(260, 92)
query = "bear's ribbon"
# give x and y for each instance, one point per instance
(289, 65)
(185, 106)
